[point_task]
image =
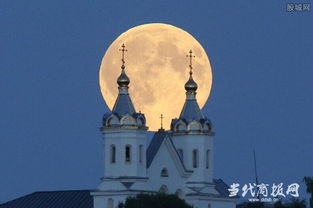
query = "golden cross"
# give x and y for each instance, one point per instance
(161, 117)
(190, 60)
(123, 51)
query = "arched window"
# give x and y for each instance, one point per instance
(113, 154)
(164, 172)
(128, 120)
(195, 158)
(180, 127)
(141, 153)
(181, 154)
(194, 126)
(207, 159)
(110, 203)
(113, 121)
(128, 153)
(163, 189)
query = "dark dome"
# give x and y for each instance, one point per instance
(191, 85)
(123, 80)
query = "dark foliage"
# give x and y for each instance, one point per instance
(293, 203)
(251, 205)
(154, 201)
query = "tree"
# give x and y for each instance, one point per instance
(279, 204)
(159, 200)
(309, 188)
(250, 205)
(292, 203)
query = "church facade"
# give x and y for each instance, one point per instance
(177, 161)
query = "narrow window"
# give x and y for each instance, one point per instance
(141, 153)
(209, 205)
(110, 203)
(113, 153)
(207, 165)
(181, 154)
(127, 153)
(164, 172)
(195, 158)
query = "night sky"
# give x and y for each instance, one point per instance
(51, 105)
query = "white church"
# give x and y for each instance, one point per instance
(176, 161)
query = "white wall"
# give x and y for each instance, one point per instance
(121, 138)
(101, 201)
(163, 160)
(202, 143)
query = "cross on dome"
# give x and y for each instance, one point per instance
(123, 53)
(191, 86)
(123, 79)
(161, 117)
(190, 61)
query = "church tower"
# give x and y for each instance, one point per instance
(124, 134)
(193, 135)
(124, 144)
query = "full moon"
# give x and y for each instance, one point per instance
(158, 68)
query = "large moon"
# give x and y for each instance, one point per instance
(157, 67)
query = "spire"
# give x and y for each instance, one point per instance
(191, 119)
(123, 114)
(191, 109)
(123, 104)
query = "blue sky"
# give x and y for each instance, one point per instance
(51, 105)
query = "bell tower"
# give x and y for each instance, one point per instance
(124, 134)
(193, 135)
(124, 143)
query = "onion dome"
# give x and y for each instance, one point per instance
(191, 85)
(123, 80)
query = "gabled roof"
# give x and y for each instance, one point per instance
(154, 146)
(221, 187)
(53, 199)
(164, 137)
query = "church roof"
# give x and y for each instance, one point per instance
(123, 114)
(163, 137)
(53, 199)
(220, 186)
(154, 146)
(191, 119)
(123, 105)
(191, 111)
